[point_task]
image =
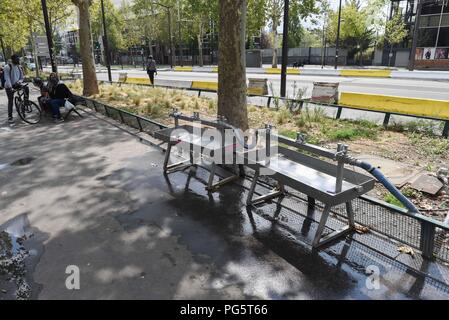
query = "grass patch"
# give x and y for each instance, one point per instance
(429, 145)
(352, 133)
(391, 199)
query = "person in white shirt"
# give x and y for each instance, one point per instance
(13, 74)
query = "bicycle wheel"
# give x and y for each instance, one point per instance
(29, 112)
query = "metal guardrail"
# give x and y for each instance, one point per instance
(429, 236)
(301, 102)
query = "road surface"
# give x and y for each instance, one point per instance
(428, 89)
(425, 89)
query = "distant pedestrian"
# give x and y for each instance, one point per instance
(14, 76)
(151, 69)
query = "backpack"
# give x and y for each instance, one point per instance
(2, 75)
(151, 66)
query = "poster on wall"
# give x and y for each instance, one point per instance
(419, 53)
(429, 53)
(442, 53)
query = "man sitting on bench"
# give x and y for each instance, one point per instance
(58, 93)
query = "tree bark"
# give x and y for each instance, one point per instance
(33, 50)
(90, 84)
(200, 45)
(232, 63)
(275, 47)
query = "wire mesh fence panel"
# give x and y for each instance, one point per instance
(149, 127)
(99, 107)
(131, 121)
(441, 249)
(89, 103)
(113, 113)
(386, 221)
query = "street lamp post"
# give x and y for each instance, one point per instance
(179, 36)
(285, 50)
(172, 52)
(323, 50)
(105, 43)
(337, 45)
(411, 64)
(49, 37)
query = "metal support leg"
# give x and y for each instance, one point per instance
(167, 157)
(276, 192)
(211, 186)
(175, 166)
(446, 129)
(281, 188)
(211, 176)
(269, 102)
(305, 229)
(191, 157)
(249, 199)
(310, 203)
(339, 110)
(319, 241)
(319, 231)
(350, 212)
(387, 119)
(241, 171)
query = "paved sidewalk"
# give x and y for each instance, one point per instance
(94, 196)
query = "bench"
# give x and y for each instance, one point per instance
(193, 138)
(332, 184)
(290, 163)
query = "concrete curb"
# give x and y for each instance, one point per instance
(436, 109)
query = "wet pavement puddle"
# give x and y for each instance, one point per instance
(17, 163)
(20, 250)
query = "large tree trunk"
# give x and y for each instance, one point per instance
(232, 63)
(90, 83)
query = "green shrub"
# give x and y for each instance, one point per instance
(391, 199)
(283, 116)
(351, 133)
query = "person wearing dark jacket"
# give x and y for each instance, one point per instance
(151, 69)
(58, 93)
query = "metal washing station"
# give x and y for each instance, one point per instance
(292, 163)
(194, 137)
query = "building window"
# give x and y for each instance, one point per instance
(427, 37)
(443, 39)
(433, 9)
(434, 20)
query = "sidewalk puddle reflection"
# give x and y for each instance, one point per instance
(17, 163)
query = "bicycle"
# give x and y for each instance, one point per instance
(27, 110)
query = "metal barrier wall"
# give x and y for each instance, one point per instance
(302, 102)
(422, 233)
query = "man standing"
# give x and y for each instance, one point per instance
(13, 74)
(151, 69)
